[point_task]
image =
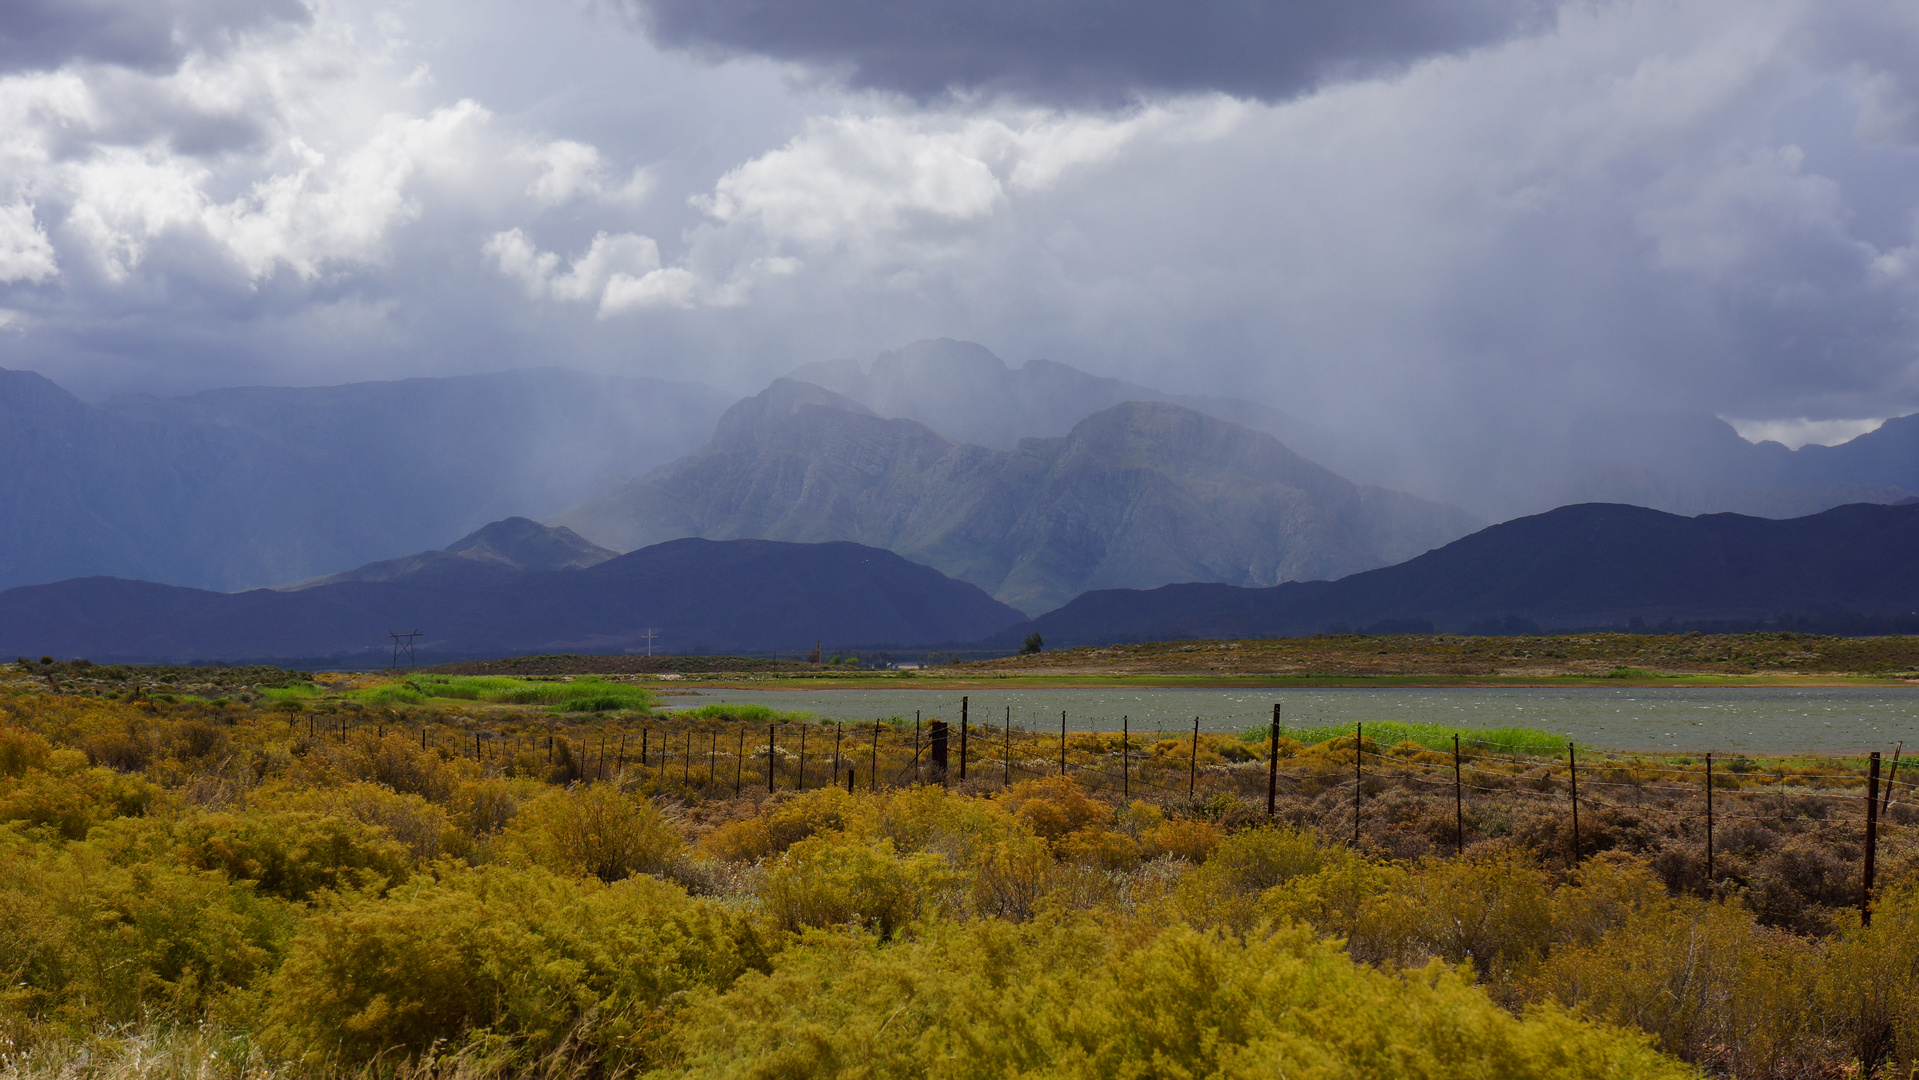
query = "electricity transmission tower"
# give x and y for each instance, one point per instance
(403, 643)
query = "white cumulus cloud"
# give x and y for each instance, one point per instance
(616, 273)
(25, 253)
(848, 177)
(571, 170)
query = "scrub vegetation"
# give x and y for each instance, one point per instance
(476, 886)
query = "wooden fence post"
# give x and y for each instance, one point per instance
(644, 732)
(802, 785)
(770, 732)
(1062, 742)
(1006, 761)
(739, 763)
(1272, 764)
(1125, 757)
(916, 746)
(1872, 839)
(839, 729)
(875, 783)
(712, 756)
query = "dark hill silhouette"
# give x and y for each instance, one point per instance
(701, 596)
(1591, 565)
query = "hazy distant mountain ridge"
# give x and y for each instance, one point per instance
(512, 546)
(261, 486)
(1138, 494)
(961, 389)
(1680, 463)
(1575, 567)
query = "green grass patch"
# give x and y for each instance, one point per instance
(582, 694)
(1505, 740)
(757, 714)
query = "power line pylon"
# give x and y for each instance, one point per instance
(403, 643)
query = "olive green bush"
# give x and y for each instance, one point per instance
(596, 831)
(842, 880)
(1084, 997)
(522, 960)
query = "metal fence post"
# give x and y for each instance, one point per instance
(1572, 773)
(1459, 804)
(1709, 874)
(962, 768)
(1192, 764)
(1272, 764)
(1359, 775)
(1872, 839)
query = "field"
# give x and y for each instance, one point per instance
(217, 873)
(1328, 660)
(1440, 659)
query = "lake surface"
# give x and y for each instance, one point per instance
(1767, 720)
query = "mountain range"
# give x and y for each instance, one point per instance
(1576, 567)
(525, 593)
(1036, 482)
(1138, 494)
(1682, 463)
(253, 486)
(517, 587)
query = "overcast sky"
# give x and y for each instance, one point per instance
(1395, 215)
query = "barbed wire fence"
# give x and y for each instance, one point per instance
(1350, 787)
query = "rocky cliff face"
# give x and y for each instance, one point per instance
(1137, 495)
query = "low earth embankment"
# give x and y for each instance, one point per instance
(489, 875)
(1449, 658)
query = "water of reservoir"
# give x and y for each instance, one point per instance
(1765, 720)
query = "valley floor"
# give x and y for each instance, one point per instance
(228, 872)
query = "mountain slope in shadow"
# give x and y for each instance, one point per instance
(1577, 567)
(695, 595)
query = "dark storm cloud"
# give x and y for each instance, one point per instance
(151, 35)
(1089, 50)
